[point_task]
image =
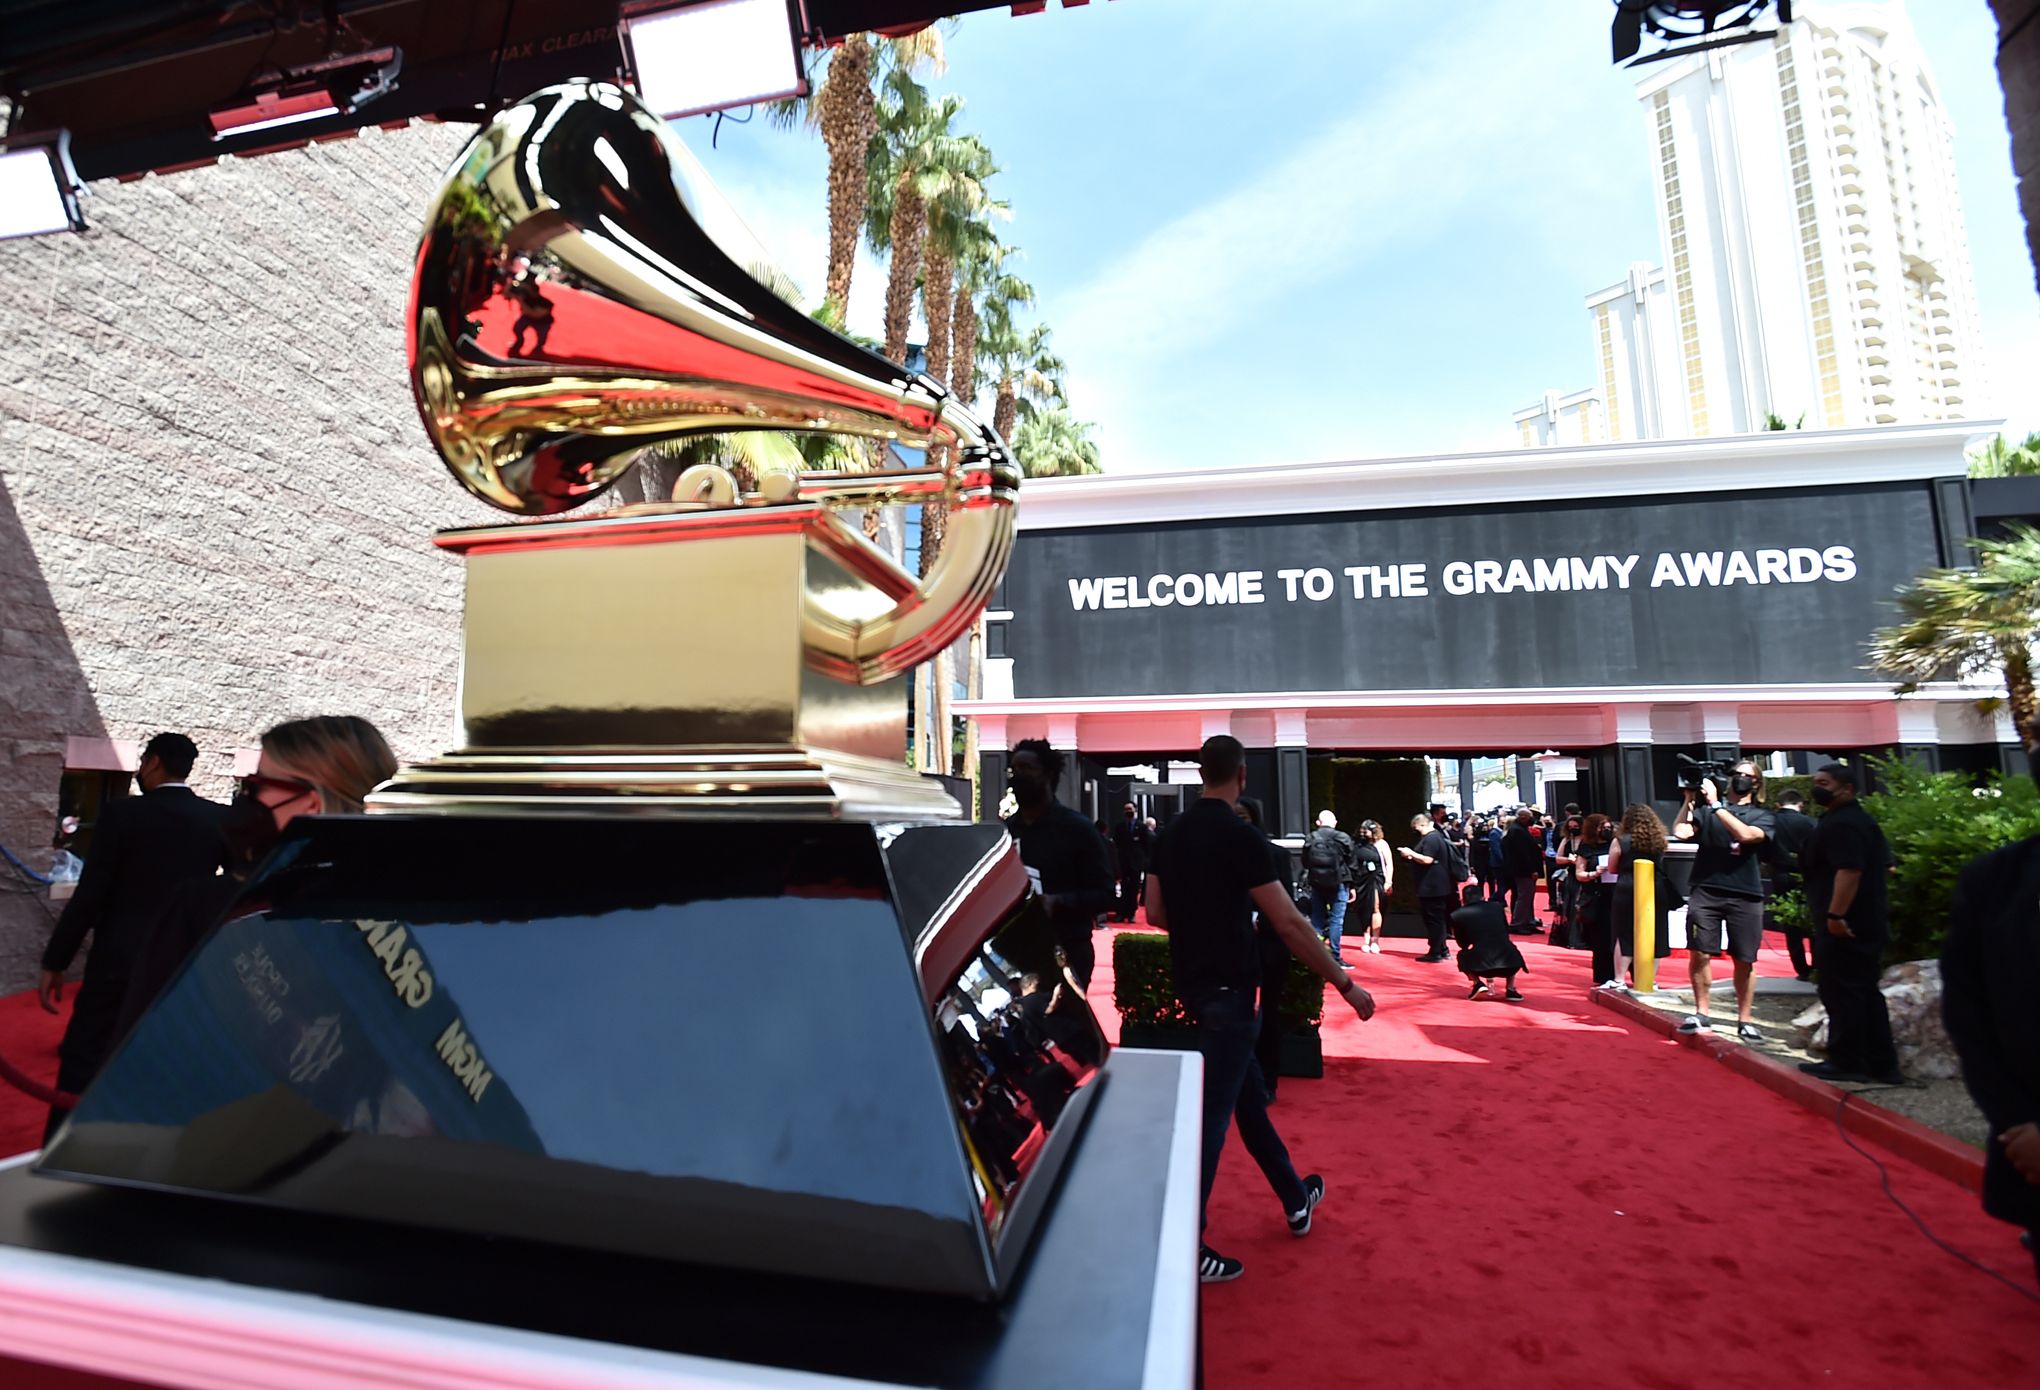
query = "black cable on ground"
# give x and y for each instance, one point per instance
(1884, 1176)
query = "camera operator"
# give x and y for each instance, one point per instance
(1727, 897)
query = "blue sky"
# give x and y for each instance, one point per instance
(1306, 229)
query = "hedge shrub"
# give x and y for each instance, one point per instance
(1144, 992)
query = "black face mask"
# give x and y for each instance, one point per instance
(1742, 784)
(1028, 789)
(249, 831)
(1822, 796)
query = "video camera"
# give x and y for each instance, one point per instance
(1693, 772)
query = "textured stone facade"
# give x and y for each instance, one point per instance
(215, 496)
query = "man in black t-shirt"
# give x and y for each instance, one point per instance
(1065, 851)
(1437, 883)
(1845, 865)
(1209, 873)
(1727, 896)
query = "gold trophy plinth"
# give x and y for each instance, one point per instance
(648, 663)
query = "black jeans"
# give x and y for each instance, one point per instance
(1437, 915)
(1796, 947)
(1275, 959)
(1859, 1025)
(1234, 1093)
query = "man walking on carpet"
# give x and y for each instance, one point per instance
(1209, 873)
(1065, 852)
(1331, 864)
(143, 850)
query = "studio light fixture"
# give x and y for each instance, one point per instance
(710, 55)
(331, 88)
(1689, 26)
(38, 187)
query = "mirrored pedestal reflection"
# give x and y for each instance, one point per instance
(835, 1050)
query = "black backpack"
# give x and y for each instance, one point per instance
(1321, 859)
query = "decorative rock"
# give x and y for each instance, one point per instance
(1912, 993)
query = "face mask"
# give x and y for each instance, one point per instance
(249, 831)
(1028, 789)
(1742, 784)
(1822, 796)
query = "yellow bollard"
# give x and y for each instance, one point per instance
(1644, 937)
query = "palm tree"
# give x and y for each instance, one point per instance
(919, 164)
(989, 295)
(1026, 368)
(2003, 459)
(1971, 622)
(844, 108)
(1052, 443)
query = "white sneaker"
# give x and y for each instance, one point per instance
(1374, 948)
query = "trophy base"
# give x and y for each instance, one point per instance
(831, 1050)
(723, 782)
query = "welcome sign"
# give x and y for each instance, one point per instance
(1736, 588)
(1798, 565)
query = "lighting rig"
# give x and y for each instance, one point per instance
(1690, 26)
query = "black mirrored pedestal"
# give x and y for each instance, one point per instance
(126, 1283)
(826, 1050)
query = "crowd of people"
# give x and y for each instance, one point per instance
(164, 866)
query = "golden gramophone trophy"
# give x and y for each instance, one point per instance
(673, 956)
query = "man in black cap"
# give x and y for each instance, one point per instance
(1845, 865)
(143, 849)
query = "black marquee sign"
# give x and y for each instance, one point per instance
(1736, 588)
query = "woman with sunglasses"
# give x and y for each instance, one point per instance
(325, 765)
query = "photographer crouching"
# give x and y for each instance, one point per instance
(1727, 896)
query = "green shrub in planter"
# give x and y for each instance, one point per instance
(1145, 994)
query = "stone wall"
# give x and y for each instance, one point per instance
(215, 495)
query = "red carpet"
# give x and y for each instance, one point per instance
(1539, 1194)
(28, 1038)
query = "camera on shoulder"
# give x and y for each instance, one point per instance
(1695, 773)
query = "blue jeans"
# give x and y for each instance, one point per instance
(1235, 1093)
(1328, 914)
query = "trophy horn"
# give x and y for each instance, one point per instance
(569, 309)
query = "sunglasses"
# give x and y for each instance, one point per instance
(255, 783)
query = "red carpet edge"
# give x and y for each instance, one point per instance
(1925, 1148)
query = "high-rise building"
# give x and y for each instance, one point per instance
(1815, 264)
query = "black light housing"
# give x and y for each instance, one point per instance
(1708, 23)
(38, 187)
(337, 86)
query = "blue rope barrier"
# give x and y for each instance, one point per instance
(23, 868)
